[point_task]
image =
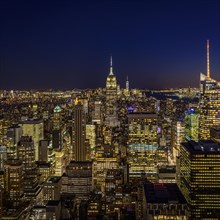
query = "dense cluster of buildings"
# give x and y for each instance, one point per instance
(111, 153)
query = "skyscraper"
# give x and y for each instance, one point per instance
(35, 129)
(79, 129)
(209, 102)
(13, 183)
(198, 170)
(25, 152)
(191, 124)
(142, 145)
(127, 84)
(111, 91)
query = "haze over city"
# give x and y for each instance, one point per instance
(67, 44)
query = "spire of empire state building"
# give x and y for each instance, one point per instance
(111, 67)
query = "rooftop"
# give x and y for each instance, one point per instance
(202, 147)
(163, 193)
(53, 179)
(53, 203)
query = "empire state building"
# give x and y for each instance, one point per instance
(111, 91)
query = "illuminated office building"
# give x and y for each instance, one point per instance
(57, 128)
(209, 102)
(3, 157)
(52, 188)
(43, 151)
(59, 163)
(142, 145)
(191, 124)
(26, 154)
(114, 191)
(104, 160)
(163, 201)
(79, 130)
(198, 170)
(215, 133)
(13, 183)
(91, 139)
(97, 114)
(35, 129)
(4, 124)
(14, 134)
(45, 170)
(57, 118)
(78, 180)
(178, 136)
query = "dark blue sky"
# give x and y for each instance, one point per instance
(67, 44)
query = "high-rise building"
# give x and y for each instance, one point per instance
(25, 152)
(178, 136)
(57, 128)
(111, 92)
(97, 114)
(91, 139)
(57, 118)
(79, 129)
(52, 188)
(163, 201)
(142, 145)
(198, 171)
(43, 151)
(35, 129)
(78, 179)
(4, 124)
(191, 124)
(209, 102)
(13, 183)
(14, 134)
(127, 84)
(3, 156)
(104, 160)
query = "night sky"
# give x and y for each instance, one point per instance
(67, 44)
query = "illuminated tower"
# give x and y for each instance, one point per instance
(178, 136)
(191, 124)
(142, 145)
(25, 152)
(35, 129)
(57, 118)
(13, 183)
(57, 133)
(209, 102)
(127, 84)
(111, 91)
(79, 123)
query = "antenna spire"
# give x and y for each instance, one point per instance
(208, 60)
(111, 67)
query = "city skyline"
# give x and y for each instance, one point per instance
(67, 45)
